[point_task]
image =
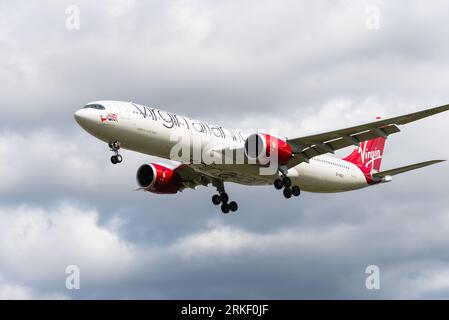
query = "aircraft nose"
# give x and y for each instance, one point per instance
(80, 116)
(85, 118)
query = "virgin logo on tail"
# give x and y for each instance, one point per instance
(368, 155)
(372, 155)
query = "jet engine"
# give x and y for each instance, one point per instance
(264, 148)
(156, 178)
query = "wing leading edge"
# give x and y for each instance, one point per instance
(311, 146)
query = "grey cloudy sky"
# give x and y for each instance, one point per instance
(298, 66)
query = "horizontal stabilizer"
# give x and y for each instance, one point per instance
(393, 172)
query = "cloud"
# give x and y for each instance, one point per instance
(37, 245)
(309, 260)
(14, 292)
(314, 54)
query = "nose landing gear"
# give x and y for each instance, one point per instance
(115, 147)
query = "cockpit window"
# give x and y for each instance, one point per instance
(95, 106)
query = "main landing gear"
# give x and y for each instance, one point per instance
(286, 183)
(115, 147)
(223, 199)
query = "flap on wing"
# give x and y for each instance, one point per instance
(393, 172)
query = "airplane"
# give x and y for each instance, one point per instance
(298, 164)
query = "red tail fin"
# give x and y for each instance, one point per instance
(368, 155)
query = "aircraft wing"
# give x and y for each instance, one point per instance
(393, 172)
(311, 146)
(192, 176)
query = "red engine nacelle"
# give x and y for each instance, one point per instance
(263, 147)
(156, 178)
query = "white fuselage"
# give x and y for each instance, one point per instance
(155, 132)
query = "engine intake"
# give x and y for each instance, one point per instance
(156, 178)
(146, 176)
(263, 148)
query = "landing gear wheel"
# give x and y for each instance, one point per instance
(287, 182)
(115, 147)
(224, 197)
(278, 184)
(233, 206)
(296, 191)
(287, 193)
(225, 208)
(216, 199)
